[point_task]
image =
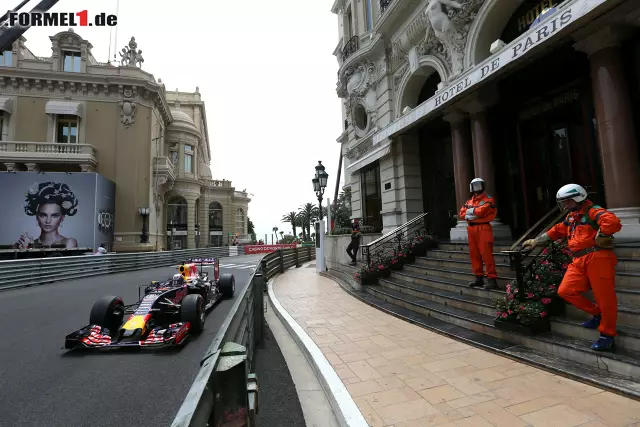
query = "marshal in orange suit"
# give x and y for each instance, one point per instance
(590, 230)
(479, 211)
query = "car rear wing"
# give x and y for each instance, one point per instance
(215, 262)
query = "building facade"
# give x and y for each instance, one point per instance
(529, 95)
(70, 113)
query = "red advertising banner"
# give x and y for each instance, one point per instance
(265, 249)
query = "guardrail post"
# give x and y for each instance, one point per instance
(258, 306)
(296, 252)
(281, 255)
(231, 407)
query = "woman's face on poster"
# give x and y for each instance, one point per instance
(49, 216)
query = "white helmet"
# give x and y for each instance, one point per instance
(571, 192)
(476, 184)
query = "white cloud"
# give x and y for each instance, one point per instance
(266, 72)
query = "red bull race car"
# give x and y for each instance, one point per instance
(167, 313)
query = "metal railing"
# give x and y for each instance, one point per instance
(526, 263)
(384, 5)
(225, 388)
(393, 240)
(350, 47)
(40, 271)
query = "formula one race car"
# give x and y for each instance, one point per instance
(164, 316)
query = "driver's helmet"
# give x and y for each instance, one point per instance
(177, 280)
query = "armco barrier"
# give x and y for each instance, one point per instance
(225, 378)
(33, 272)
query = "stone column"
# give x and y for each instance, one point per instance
(191, 219)
(462, 167)
(204, 220)
(483, 153)
(615, 128)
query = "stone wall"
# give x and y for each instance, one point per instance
(336, 247)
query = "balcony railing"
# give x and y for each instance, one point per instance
(384, 5)
(350, 48)
(218, 183)
(164, 167)
(240, 194)
(46, 152)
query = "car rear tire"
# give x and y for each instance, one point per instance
(227, 285)
(192, 311)
(107, 312)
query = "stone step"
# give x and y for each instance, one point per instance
(624, 362)
(625, 265)
(622, 250)
(482, 303)
(459, 265)
(459, 275)
(590, 373)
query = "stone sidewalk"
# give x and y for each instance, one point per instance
(402, 375)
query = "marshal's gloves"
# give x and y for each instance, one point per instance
(604, 240)
(529, 244)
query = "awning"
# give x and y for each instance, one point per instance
(64, 107)
(372, 156)
(6, 104)
(554, 23)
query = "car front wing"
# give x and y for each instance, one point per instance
(97, 337)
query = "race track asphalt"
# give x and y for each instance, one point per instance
(43, 385)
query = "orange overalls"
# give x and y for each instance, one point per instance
(480, 233)
(590, 265)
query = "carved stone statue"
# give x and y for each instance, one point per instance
(447, 33)
(130, 55)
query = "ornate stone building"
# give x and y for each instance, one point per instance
(70, 113)
(529, 95)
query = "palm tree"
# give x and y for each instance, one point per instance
(281, 235)
(307, 215)
(291, 219)
(275, 231)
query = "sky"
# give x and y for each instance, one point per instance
(267, 75)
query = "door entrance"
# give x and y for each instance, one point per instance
(438, 183)
(557, 149)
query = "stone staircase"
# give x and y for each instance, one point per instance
(433, 292)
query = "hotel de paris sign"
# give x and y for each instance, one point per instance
(513, 51)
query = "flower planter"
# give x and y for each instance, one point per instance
(409, 259)
(369, 280)
(540, 327)
(419, 249)
(396, 266)
(557, 307)
(384, 273)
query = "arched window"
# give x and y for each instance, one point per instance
(215, 216)
(240, 221)
(177, 213)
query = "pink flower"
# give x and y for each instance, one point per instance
(510, 312)
(543, 314)
(381, 267)
(546, 300)
(504, 315)
(509, 288)
(530, 295)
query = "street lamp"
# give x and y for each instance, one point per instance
(320, 183)
(144, 213)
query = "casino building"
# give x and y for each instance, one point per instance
(70, 113)
(529, 95)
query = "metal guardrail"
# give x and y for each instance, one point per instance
(40, 271)
(225, 388)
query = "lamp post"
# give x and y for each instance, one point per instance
(144, 213)
(319, 185)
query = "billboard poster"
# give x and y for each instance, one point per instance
(57, 209)
(265, 249)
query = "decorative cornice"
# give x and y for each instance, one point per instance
(21, 81)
